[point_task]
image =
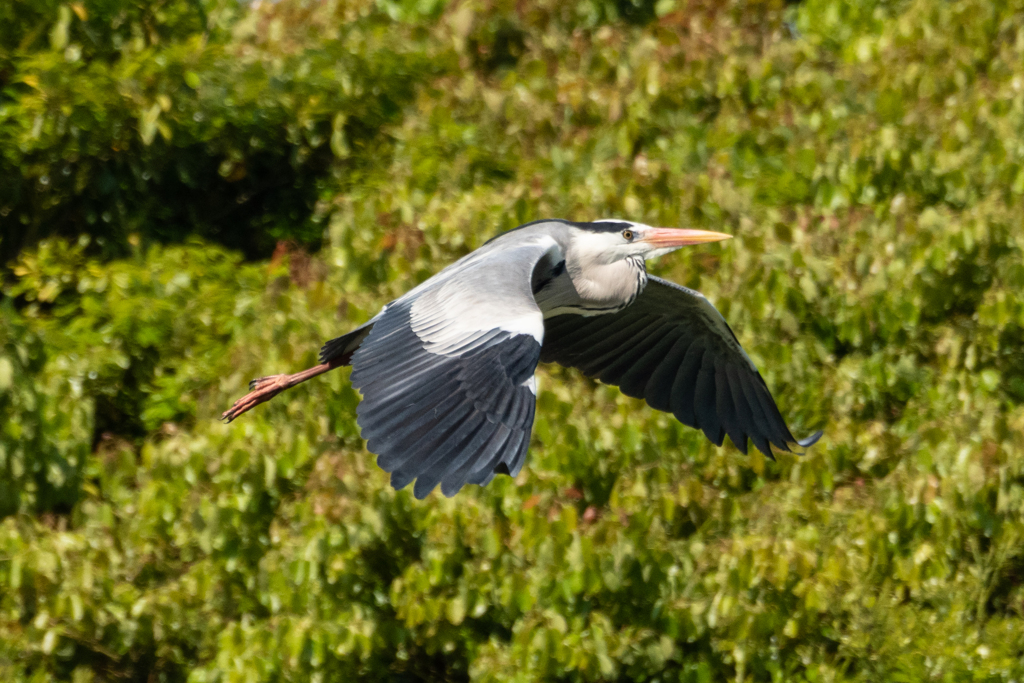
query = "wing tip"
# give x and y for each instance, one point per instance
(806, 442)
(810, 440)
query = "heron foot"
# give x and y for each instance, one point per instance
(262, 390)
(266, 388)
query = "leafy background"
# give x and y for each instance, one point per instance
(197, 192)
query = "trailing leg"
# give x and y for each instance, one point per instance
(266, 388)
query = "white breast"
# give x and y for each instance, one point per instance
(602, 289)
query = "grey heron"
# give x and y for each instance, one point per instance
(447, 370)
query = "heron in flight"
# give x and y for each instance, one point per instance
(447, 370)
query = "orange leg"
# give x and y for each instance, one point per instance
(266, 388)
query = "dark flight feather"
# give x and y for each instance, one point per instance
(672, 348)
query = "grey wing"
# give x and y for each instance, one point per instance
(447, 373)
(672, 348)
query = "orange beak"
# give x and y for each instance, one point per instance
(672, 237)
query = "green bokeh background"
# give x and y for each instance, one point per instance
(197, 192)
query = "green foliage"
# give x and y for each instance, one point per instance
(142, 335)
(867, 156)
(188, 118)
(44, 440)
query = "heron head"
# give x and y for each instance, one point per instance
(620, 239)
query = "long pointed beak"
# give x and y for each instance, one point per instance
(673, 237)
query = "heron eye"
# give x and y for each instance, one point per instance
(627, 235)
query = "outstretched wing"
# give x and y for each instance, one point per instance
(672, 348)
(447, 372)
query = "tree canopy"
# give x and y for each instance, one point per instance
(197, 192)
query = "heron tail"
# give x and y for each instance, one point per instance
(340, 349)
